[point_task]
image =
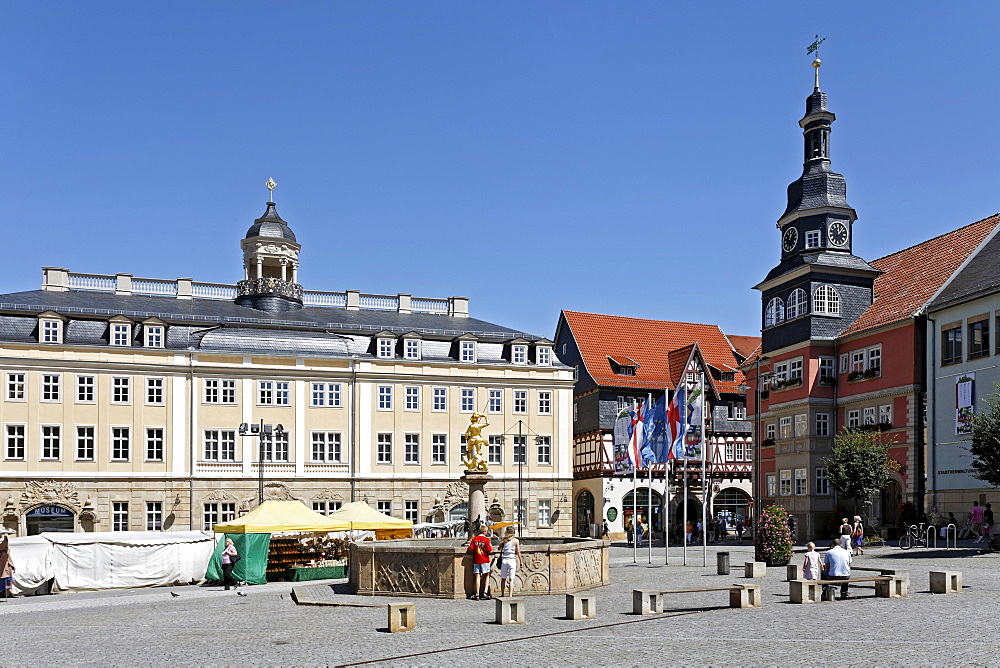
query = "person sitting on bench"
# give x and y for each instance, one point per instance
(837, 566)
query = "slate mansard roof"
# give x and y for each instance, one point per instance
(223, 326)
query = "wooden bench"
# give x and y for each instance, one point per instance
(740, 596)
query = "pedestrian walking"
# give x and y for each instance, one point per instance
(976, 514)
(688, 531)
(812, 567)
(6, 565)
(846, 530)
(510, 559)
(481, 550)
(858, 535)
(606, 530)
(629, 531)
(638, 533)
(988, 520)
(740, 528)
(837, 565)
(229, 558)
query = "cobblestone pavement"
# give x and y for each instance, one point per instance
(205, 625)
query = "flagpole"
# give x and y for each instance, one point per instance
(666, 512)
(635, 500)
(649, 495)
(704, 485)
(684, 499)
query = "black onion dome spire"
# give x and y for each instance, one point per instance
(271, 225)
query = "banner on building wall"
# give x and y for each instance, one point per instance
(694, 422)
(622, 437)
(964, 409)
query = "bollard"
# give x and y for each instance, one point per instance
(581, 606)
(402, 617)
(793, 572)
(722, 563)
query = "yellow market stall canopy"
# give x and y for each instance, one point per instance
(359, 515)
(277, 516)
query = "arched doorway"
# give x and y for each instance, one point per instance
(733, 504)
(48, 518)
(693, 516)
(584, 513)
(642, 501)
(458, 512)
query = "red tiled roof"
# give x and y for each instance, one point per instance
(913, 275)
(744, 345)
(650, 343)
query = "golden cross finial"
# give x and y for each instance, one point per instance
(271, 185)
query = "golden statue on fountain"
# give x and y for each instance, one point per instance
(474, 444)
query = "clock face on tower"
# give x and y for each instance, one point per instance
(838, 234)
(789, 238)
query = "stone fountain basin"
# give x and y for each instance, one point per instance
(441, 567)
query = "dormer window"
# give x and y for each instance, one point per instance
(153, 336)
(121, 334)
(543, 355)
(411, 349)
(467, 351)
(519, 354)
(385, 348)
(626, 368)
(50, 331)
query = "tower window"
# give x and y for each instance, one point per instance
(774, 313)
(826, 300)
(812, 239)
(798, 303)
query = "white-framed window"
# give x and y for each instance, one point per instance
(411, 349)
(826, 300)
(467, 351)
(795, 369)
(411, 448)
(154, 444)
(386, 348)
(14, 441)
(730, 451)
(154, 516)
(869, 415)
(272, 393)
(801, 425)
(121, 389)
(385, 397)
(86, 389)
(742, 451)
(785, 480)
(544, 512)
(50, 330)
(439, 403)
(845, 363)
(822, 424)
(495, 403)
(812, 239)
(223, 391)
(885, 414)
(520, 449)
(543, 356)
(119, 515)
(520, 402)
(468, 403)
(411, 510)
(327, 507)
(780, 373)
(772, 484)
(822, 481)
(463, 447)
(15, 386)
(827, 367)
(544, 444)
(801, 482)
(521, 508)
(121, 444)
(770, 430)
(220, 445)
(275, 446)
(326, 446)
(544, 402)
(384, 507)
(214, 513)
(121, 334)
(875, 358)
(439, 448)
(494, 453)
(519, 354)
(774, 313)
(154, 391)
(798, 303)
(858, 360)
(51, 387)
(326, 395)
(853, 419)
(86, 438)
(412, 395)
(154, 336)
(785, 426)
(383, 448)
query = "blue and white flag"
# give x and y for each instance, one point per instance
(654, 443)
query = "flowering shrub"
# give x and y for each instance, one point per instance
(773, 539)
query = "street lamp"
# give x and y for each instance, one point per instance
(757, 487)
(261, 432)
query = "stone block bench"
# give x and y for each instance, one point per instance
(740, 596)
(581, 606)
(884, 571)
(813, 591)
(755, 569)
(946, 582)
(510, 610)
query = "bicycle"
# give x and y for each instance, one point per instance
(916, 535)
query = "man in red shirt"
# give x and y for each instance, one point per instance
(481, 548)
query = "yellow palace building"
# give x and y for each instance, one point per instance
(148, 404)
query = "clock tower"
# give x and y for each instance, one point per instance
(819, 287)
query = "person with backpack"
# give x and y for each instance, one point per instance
(480, 548)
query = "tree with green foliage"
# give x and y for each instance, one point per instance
(860, 466)
(985, 447)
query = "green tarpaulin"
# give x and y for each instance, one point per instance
(252, 568)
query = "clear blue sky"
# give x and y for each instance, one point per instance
(614, 157)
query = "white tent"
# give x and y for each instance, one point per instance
(115, 559)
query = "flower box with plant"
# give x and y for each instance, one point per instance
(855, 376)
(828, 380)
(767, 443)
(873, 372)
(772, 541)
(764, 395)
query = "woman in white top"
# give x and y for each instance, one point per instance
(812, 567)
(510, 558)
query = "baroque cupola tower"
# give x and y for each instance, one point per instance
(270, 264)
(819, 287)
